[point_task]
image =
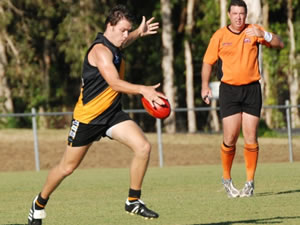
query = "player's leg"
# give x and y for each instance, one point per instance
(231, 130)
(250, 124)
(230, 110)
(130, 134)
(79, 140)
(69, 162)
(251, 113)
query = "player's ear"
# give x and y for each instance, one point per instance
(109, 26)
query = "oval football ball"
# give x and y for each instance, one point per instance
(159, 111)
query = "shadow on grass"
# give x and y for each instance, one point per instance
(288, 192)
(278, 193)
(15, 224)
(275, 220)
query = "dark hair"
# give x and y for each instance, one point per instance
(118, 13)
(240, 3)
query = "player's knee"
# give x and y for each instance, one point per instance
(250, 138)
(67, 170)
(144, 150)
(230, 140)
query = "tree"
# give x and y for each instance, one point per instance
(293, 79)
(266, 85)
(207, 22)
(43, 43)
(189, 69)
(254, 11)
(254, 16)
(167, 62)
(215, 123)
(223, 11)
(6, 102)
(39, 29)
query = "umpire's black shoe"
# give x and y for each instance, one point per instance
(138, 207)
(35, 216)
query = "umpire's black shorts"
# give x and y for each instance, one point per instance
(82, 134)
(237, 99)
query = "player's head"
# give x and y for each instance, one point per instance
(237, 13)
(118, 13)
(118, 25)
(239, 3)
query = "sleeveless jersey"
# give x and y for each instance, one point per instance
(98, 102)
(236, 55)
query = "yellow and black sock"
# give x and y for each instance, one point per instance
(134, 195)
(40, 203)
(227, 156)
(251, 156)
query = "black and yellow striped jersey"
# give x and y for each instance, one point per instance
(98, 101)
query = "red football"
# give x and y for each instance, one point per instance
(158, 111)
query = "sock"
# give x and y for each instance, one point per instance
(134, 195)
(227, 156)
(40, 203)
(251, 156)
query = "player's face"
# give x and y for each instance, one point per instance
(237, 16)
(121, 32)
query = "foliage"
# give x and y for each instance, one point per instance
(51, 38)
(265, 131)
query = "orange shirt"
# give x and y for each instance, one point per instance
(237, 54)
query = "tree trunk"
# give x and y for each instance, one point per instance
(44, 122)
(266, 85)
(254, 16)
(6, 103)
(6, 100)
(223, 14)
(254, 11)
(214, 118)
(293, 73)
(191, 116)
(167, 63)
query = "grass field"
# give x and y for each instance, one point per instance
(190, 195)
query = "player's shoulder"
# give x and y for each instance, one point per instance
(101, 49)
(100, 54)
(220, 32)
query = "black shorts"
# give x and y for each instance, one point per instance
(237, 99)
(82, 134)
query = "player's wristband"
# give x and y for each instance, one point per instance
(268, 36)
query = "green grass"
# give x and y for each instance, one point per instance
(182, 195)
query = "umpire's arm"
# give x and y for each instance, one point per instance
(205, 90)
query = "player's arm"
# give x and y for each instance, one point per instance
(205, 75)
(101, 57)
(276, 41)
(144, 29)
(273, 39)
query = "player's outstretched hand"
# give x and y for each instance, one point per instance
(147, 27)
